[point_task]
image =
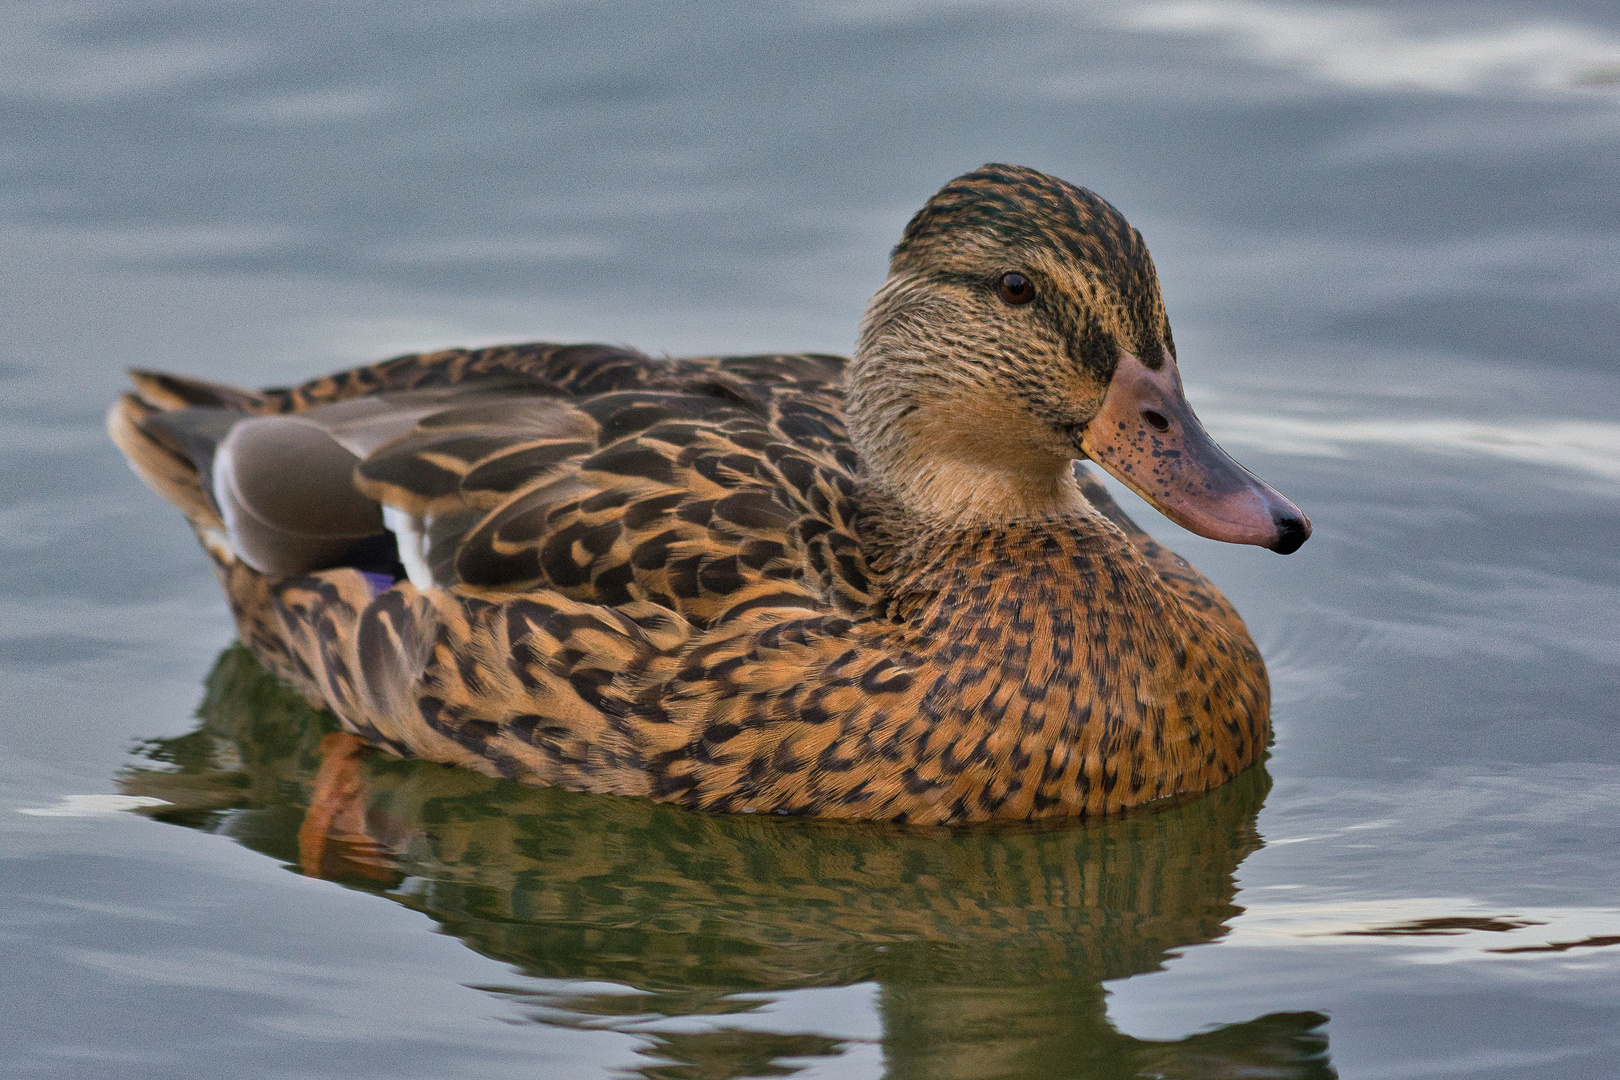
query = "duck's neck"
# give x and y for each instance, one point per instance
(1033, 566)
(937, 447)
(951, 466)
(954, 460)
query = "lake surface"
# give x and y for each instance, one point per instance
(1388, 237)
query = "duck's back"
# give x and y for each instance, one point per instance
(700, 485)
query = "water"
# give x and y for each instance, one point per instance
(1387, 239)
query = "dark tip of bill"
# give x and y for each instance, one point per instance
(1292, 532)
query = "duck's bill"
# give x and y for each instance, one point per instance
(1147, 435)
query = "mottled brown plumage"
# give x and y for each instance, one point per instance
(874, 589)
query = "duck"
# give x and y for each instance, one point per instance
(878, 588)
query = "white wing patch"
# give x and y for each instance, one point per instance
(408, 530)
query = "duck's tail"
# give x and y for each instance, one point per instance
(140, 425)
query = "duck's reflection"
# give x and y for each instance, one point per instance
(989, 945)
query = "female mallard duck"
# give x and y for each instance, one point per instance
(876, 588)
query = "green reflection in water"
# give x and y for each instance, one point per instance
(988, 945)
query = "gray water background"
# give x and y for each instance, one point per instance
(1388, 241)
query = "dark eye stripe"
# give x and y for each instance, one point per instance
(1015, 289)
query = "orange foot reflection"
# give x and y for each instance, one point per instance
(333, 841)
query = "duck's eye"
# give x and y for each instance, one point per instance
(1015, 289)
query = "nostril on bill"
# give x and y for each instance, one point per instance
(1156, 420)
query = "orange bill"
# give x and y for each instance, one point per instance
(1148, 436)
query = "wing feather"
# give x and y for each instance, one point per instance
(704, 485)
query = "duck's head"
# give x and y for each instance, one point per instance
(1022, 327)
